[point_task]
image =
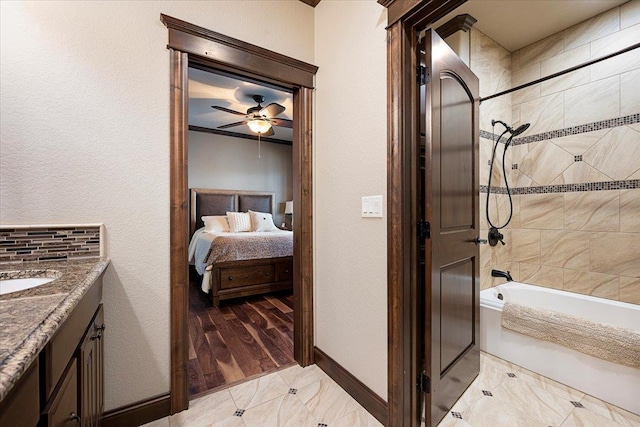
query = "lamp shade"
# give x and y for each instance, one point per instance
(288, 207)
(259, 125)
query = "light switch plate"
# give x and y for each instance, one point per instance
(372, 207)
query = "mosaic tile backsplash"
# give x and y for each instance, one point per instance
(574, 174)
(49, 243)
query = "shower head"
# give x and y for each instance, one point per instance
(519, 129)
(509, 129)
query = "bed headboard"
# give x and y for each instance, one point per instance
(205, 201)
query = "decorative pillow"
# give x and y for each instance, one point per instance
(262, 221)
(239, 221)
(215, 224)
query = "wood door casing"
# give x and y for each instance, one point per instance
(452, 285)
(191, 44)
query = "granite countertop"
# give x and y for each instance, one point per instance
(29, 318)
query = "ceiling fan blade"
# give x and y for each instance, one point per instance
(283, 123)
(244, 122)
(226, 110)
(272, 110)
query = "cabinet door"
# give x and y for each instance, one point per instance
(62, 409)
(92, 373)
(99, 327)
(21, 407)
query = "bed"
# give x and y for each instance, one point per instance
(235, 265)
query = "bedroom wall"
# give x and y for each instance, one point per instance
(85, 138)
(350, 162)
(227, 163)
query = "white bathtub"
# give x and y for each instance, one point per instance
(616, 384)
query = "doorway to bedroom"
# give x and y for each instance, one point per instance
(197, 47)
(240, 176)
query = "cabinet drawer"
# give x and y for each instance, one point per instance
(284, 271)
(21, 407)
(237, 277)
(62, 409)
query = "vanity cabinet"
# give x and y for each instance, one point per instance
(64, 385)
(21, 407)
(78, 346)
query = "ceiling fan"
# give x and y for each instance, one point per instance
(259, 119)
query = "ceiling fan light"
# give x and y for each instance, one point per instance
(259, 125)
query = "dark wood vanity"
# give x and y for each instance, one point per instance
(64, 385)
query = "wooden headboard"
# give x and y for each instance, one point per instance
(205, 201)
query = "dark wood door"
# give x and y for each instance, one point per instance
(451, 198)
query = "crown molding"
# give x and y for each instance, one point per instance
(190, 38)
(312, 3)
(459, 23)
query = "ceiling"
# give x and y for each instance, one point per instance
(518, 23)
(207, 89)
(512, 23)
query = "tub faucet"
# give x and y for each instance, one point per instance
(500, 273)
(495, 236)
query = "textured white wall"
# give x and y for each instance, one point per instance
(350, 162)
(85, 138)
(224, 162)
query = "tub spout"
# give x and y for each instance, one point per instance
(500, 273)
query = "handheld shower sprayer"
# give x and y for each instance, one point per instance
(494, 235)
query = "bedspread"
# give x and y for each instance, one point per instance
(209, 248)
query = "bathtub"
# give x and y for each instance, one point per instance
(616, 384)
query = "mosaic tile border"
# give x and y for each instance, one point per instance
(574, 130)
(47, 243)
(567, 188)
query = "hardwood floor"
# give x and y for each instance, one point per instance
(243, 338)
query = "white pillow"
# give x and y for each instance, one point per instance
(239, 221)
(215, 224)
(262, 221)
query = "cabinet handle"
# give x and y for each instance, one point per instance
(74, 417)
(101, 327)
(286, 271)
(230, 277)
(266, 274)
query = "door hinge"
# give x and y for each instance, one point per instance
(423, 383)
(422, 73)
(424, 230)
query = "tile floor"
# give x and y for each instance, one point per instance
(503, 395)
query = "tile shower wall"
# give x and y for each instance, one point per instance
(576, 171)
(47, 243)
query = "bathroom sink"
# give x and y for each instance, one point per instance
(9, 284)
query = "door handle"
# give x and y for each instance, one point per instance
(479, 241)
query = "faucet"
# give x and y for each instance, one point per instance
(500, 273)
(495, 236)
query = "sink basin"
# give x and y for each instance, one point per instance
(10, 284)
